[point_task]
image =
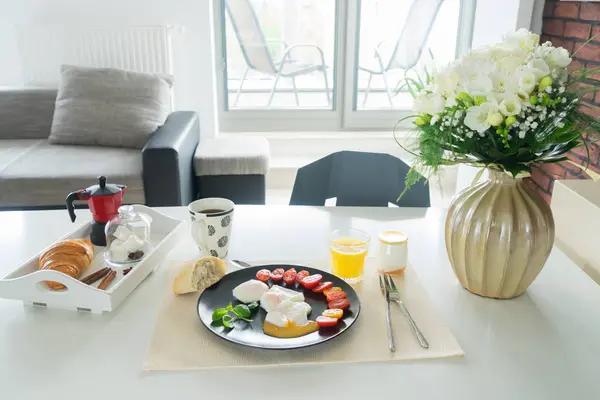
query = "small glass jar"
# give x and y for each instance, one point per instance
(127, 237)
(392, 255)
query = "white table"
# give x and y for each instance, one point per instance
(543, 345)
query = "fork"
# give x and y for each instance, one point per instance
(395, 297)
(388, 318)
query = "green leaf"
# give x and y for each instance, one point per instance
(219, 313)
(253, 306)
(242, 311)
(217, 323)
(229, 307)
(553, 160)
(228, 321)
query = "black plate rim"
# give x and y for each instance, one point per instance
(286, 267)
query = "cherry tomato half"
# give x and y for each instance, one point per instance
(331, 296)
(322, 286)
(277, 275)
(311, 282)
(342, 304)
(326, 322)
(333, 289)
(301, 275)
(333, 313)
(289, 276)
(263, 275)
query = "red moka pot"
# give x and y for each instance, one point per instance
(104, 201)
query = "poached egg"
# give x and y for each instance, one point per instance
(285, 307)
(250, 291)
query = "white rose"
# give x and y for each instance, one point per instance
(480, 85)
(481, 118)
(541, 52)
(558, 57)
(522, 39)
(447, 81)
(504, 81)
(511, 105)
(472, 70)
(428, 103)
(511, 62)
(480, 54)
(527, 81)
(501, 50)
(539, 68)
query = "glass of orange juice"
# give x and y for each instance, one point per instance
(348, 249)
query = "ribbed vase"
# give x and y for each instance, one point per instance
(499, 234)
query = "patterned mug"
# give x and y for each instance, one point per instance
(211, 225)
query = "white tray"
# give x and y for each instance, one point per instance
(26, 283)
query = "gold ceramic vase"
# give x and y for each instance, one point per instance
(499, 234)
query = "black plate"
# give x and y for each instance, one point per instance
(251, 334)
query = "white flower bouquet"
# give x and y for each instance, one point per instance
(509, 106)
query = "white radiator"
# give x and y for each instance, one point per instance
(43, 49)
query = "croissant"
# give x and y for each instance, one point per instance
(70, 257)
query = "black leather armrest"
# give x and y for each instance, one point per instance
(168, 159)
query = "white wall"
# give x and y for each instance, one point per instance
(192, 49)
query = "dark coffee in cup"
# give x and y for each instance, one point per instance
(211, 221)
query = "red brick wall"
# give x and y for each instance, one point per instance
(569, 25)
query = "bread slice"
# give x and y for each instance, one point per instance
(195, 277)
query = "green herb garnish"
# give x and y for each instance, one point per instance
(242, 311)
(218, 314)
(228, 321)
(229, 315)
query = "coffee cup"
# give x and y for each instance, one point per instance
(211, 225)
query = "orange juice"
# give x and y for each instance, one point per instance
(348, 258)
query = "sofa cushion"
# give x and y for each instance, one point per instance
(26, 113)
(13, 149)
(232, 156)
(46, 174)
(109, 107)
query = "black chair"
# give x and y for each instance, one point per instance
(357, 179)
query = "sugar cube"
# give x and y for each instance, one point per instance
(133, 244)
(118, 252)
(122, 233)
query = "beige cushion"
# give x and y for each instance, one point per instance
(235, 156)
(12, 149)
(26, 113)
(46, 174)
(109, 107)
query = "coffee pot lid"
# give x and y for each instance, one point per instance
(103, 188)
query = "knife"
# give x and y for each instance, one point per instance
(239, 264)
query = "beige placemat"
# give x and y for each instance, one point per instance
(181, 342)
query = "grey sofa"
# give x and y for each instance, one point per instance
(35, 174)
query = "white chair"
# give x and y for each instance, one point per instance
(408, 47)
(258, 57)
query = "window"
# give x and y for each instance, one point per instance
(329, 64)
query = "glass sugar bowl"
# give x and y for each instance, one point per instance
(127, 237)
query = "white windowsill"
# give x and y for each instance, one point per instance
(325, 135)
